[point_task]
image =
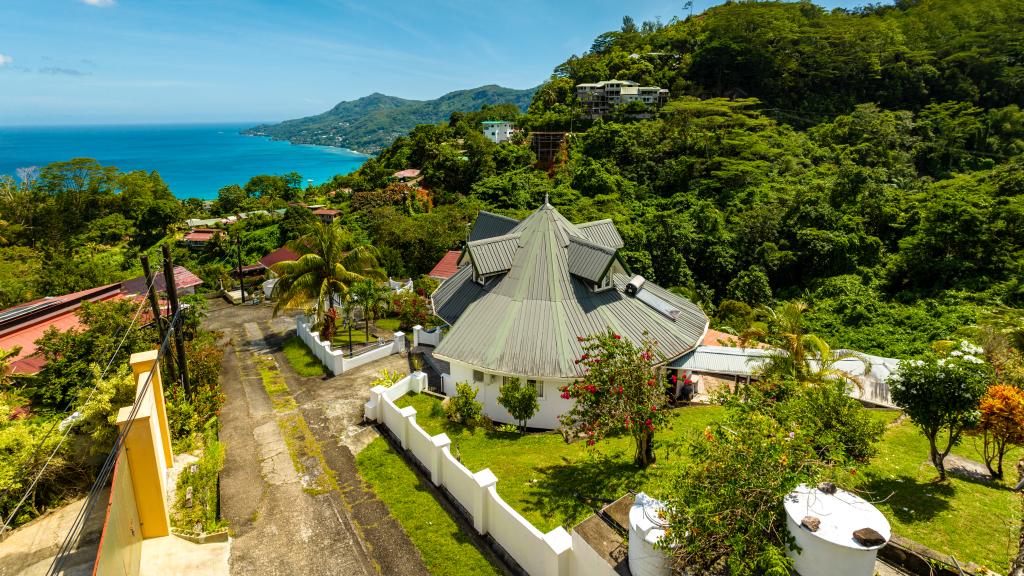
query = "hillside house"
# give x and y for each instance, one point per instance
(525, 290)
(200, 238)
(600, 98)
(327, 215)
(497, 131)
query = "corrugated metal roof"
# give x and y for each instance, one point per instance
(493, 255)
(722, 360)
(489, 225)
(588, 260)
(602, 232)
(527, 320)
(447, 266)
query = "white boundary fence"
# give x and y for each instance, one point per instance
(335, 360)
(537, 553)
(426, 337)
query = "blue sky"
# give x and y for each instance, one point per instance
(140, 61)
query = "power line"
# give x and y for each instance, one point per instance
(71, 424)
(108, 465)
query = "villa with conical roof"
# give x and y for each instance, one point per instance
(526, 290)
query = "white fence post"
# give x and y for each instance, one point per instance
(371, 410)
(440, 442)
(560, 543)
(399, 345)
(407, 413)
(416, 335)
(484, 479)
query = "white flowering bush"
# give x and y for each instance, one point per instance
(941, 395)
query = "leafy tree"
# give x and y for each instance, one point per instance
(751, 287)
(19, 275)
(520, 400)
(1001, 425)
(463, 407)
(411, 309)
(941, 396)
(620, 392)
(329, 262)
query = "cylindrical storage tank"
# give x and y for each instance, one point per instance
(832, 550)
(645, 529)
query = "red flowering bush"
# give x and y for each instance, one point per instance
(618, 394)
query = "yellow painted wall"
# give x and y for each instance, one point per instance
(120, 551)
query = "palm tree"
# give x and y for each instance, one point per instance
(798, 354)
(371, 297)
(329, 262)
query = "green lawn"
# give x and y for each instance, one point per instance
(389, 325)
(445, 549)
(552, 483)
(358, 337)
(302, 360)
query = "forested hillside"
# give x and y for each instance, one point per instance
(373, 122)
(869, 162)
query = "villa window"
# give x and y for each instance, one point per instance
(538, 385)
(478, 376)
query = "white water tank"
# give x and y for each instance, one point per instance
(645, 529)
(832, 549)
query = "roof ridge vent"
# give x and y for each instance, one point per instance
(634, 286)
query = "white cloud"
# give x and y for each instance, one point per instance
(98, 2)
(5, 60)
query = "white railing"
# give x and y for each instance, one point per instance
(335, 360)
(537, 553)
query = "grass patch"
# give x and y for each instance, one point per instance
(445, 549)
(971, 520)
(301, 358)
(202, 512)
(552, 483)
(274, 384)
(307, 456)
(389, 325)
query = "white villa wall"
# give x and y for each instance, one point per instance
(585, 561)
(335, 361)
(539, 554)
(552, 405)
(426, 337)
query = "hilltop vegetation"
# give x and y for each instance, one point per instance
(373, 122)
(872, 166)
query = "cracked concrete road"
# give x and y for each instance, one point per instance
(278, 527)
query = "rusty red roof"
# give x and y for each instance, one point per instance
(183, 278)
(447, 266)
(327, 212)
(197, 236)
(407, 173)
(282, 254)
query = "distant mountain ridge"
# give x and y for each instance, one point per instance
(373, 122)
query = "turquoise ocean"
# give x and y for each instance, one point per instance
(195, 160)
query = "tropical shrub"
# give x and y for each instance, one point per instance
(619, 394)
(941, 395)
(1001, 425)
(520, 400)
(463, 407)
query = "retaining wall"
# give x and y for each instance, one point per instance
(537, 553)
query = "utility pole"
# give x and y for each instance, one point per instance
(241, 278)
(179, 335)
(154, 303)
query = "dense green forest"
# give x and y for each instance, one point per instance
(372, 122)
(867, 161)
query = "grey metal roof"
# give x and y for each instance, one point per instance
(602, 232)
(723, 360)
(493, 255)
(588, 260)
(526, 321)
(489, 225)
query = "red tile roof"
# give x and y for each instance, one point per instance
(183, 278)
(197, 236)
(326, 212)
(719, 338)
(282, 254)
(447, 266)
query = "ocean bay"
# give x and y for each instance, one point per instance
(194, 159)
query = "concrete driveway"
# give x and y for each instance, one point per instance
(279, 528)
